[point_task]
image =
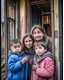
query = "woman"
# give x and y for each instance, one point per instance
(28, 49)
(38, 33)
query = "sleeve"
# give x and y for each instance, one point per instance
(14, 65)
(48, 68)
(49, 45)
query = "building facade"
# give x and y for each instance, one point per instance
(18, 17)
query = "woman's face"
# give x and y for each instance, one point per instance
(37, 34)
(28, 42)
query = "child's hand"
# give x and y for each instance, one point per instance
(25, 59)
(35, 66)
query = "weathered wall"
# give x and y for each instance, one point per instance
(22, 18)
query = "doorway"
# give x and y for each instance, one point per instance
(41, 14)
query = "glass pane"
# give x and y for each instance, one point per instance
(11, 11)
(11, 30)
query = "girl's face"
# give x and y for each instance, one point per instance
(16, 48)
(37, 34)
(28, 42)
(39, 49)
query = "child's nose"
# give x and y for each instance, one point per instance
(38, 50)
(17, 47)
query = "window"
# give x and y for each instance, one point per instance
(11, 30)
(11, 11)
(11, 19)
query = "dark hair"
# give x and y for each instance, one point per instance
(14, 41)
(27, 35)
(39, 27)
(40, 43)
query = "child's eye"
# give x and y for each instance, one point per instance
(38, 31)
(17, 46)
(40, 47)
(35, 48)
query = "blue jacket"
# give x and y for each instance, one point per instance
(16, 70)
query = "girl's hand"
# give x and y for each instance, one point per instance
(35, 66)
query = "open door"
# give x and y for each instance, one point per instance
(36, 15)
(41, 14)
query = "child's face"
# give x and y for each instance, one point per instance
(28, 42)
(37, 34)
(39, 49)
(16, 48)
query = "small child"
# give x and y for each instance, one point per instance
(43, 67)
(17, 61)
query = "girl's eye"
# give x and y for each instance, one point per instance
(38, 32)
(35, 48)
(40, 47)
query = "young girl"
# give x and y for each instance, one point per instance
(43, 67)
(17, 61)
(28, 49)
(38, 33)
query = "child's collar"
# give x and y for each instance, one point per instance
(39, 58)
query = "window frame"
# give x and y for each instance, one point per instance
(6, 30)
